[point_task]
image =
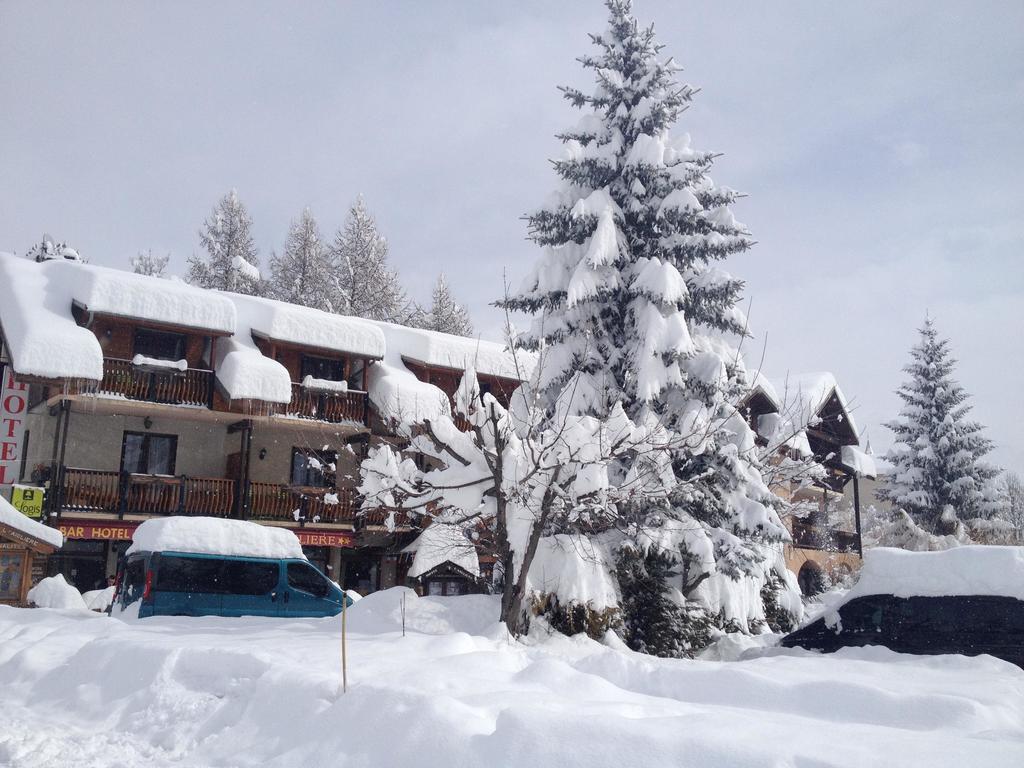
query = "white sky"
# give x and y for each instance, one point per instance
(880, 143)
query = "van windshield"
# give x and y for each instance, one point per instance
(210, 575)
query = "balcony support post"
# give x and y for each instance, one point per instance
(856, 514)
(123, 484)
(242, 487)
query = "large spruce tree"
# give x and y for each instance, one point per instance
(630, 306)
(232, 260)
(938, 475)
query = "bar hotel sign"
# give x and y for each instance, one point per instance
(13, 409)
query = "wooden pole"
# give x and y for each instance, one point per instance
(403, 614)
(344, 661)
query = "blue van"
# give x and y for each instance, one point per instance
(192, 584)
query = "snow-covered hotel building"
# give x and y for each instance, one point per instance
(127, 397)
(136, 396)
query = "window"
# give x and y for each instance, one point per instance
(188, 574)
(143, 453)
(323, 368)
(313, 468)
(306, 578)
(249, 577)
(159, 344)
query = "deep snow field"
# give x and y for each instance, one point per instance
(80, 689)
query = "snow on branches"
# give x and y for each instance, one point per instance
(516, 475)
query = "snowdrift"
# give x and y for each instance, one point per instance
(84, 689)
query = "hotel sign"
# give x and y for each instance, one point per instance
(325, 538)
(13, 409)
(98, 530)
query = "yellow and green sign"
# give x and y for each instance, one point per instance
(27, 500)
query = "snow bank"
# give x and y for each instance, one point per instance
(215, 536)
(55, 592)
(969, 570)
(455, 692)
(42, 337)
(12, 517)
(440, 543)
(98, 599)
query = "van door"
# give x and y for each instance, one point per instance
(307, 592)
(251, 587)
(186, 585)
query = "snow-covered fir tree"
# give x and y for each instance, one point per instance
(148, 263)
(369, 287)
(446, 315)
(304, 272)
(232, 261)
(629, 306)
(938, 475)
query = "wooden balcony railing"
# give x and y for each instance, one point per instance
(91, 490)
(377, 518)
(825, 539)
(193, 386)
(270, 501)
(334, 407)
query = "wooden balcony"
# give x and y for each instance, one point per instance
(333, 407)
(92, 490)
(193, 386)
(271, 501)
(824, 539)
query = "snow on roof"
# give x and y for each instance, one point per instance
(862, 464)
(15, 519)
(215, 536)
(488, 358)
(296, 324)
(441, 543)
(961, 571)
(174, 302)
(806, 394)
(41, 335)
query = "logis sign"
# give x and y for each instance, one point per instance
(13, 408)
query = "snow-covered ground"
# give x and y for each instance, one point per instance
(80, 689)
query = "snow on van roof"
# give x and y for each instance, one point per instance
(215, 536)
(41, 335)
(20, 522)
(296, 324)
(960, 571)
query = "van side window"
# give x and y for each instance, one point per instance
(188, 574)
(134, 578)
(245, 577)
(306, 578)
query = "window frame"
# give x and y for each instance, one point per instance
(145, 451)
(327, 479)
(180, 341)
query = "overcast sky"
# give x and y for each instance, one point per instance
(881, 145)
